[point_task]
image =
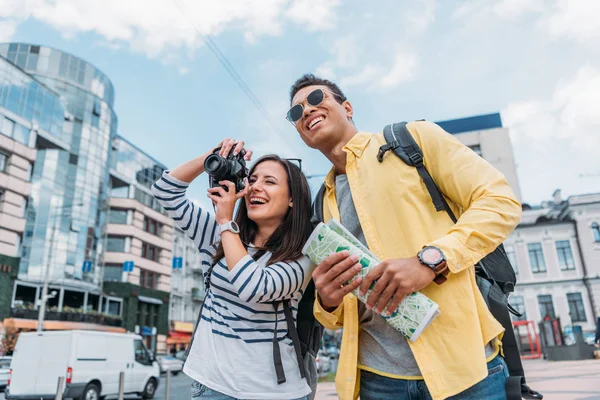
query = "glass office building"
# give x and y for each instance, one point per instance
(66, 108)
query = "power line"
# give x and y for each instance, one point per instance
(231, 70)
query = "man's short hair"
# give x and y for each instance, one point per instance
(311, 80)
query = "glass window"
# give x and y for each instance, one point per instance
(596, 232)
(546, 306)
(141, 354)
(117, 216)
(150, 252)
(120, 192)
(565, 256)
(576, 308)
(113, 307)
(92, 303)
(510, 253)
(7, 126)
(115, 244)
(477, 149)
(113, 273)
(21, 134)
(536, 257)
(73, 299)
(518, 304)
(148, 279)
(151, 226)
(25, 296)
(3, 161)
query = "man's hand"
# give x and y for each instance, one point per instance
(330, 278)
(396, 279)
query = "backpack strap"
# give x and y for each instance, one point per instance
(317, 207)
(401, 142)
(277, 362)
(206, 287)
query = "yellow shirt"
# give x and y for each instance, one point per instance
(398, 218)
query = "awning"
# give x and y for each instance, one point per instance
(183, 326)
(30, 324)
(150, 300)
(179, 337)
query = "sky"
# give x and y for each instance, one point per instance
(537, 62)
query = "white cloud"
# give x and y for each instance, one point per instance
(571, 114)
(7, 30)
(183, 71)
(314, 14)
(577, 19)
(365, 77)
(516, 8)
(156, 27)
(403, 70)
(326, 72)
(419, 21)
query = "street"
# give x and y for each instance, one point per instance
(568, 380)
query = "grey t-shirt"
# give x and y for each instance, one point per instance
(381, 347)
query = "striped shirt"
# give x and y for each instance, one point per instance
(232, 350)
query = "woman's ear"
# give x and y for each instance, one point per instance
(291, 203)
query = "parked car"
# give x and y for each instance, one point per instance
(323, 362)
(4, 371)
(90, 361)
(169, 363)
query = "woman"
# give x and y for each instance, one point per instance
(261, 263)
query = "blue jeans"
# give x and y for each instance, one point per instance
(377, 387)
(201, 392)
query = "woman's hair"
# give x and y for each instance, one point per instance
(287, 240)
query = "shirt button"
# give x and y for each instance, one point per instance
(351, 337)
(349, 379)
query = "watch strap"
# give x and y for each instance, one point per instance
(441, 272)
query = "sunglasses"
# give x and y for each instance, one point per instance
(314, 99)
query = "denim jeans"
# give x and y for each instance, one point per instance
(377, 387)
(201, 392)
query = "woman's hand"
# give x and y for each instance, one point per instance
(227, 145)
(224, 200)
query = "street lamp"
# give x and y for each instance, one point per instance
(45, 296)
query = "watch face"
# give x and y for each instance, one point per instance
(235, 226)
(432, 256)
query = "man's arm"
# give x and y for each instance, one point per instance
(490, 208)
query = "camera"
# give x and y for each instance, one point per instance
(233, 168)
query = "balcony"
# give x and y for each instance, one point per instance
(71, 315)
(198, 294)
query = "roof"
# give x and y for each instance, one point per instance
(476, 123)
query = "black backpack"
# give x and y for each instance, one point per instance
(496, 278)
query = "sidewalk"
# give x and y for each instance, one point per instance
(566, 380)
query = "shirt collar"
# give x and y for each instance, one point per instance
(356, 145)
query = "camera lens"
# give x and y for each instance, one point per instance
(216, 165)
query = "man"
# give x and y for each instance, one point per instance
(387, 207)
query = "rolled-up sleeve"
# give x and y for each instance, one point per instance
(490, 210)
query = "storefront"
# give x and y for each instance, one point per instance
(180, 336)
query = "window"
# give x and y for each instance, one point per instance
(3, 161)
(117, 216)
(7, 126)
(536, 257)
(518, 304)
(510, 253)
(113, 273)
(565, 256)
(115, 244)
(141, 354)
(150, 252)
(576, 309)
(546, 306)
(596, 232)
(148, 279)
(477, 149)
(151, 226)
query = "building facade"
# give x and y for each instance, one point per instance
(139, 244)
(187, 293)
(554, 254)
(486, 136)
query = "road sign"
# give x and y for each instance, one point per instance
(128, 266)
(177, 262)
(87, 266)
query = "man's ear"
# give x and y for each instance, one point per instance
(349, 109)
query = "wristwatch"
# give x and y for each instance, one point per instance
(230, 226)
(434, 258)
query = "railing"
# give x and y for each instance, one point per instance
(90, 318)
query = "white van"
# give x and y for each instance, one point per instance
(90, 361)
